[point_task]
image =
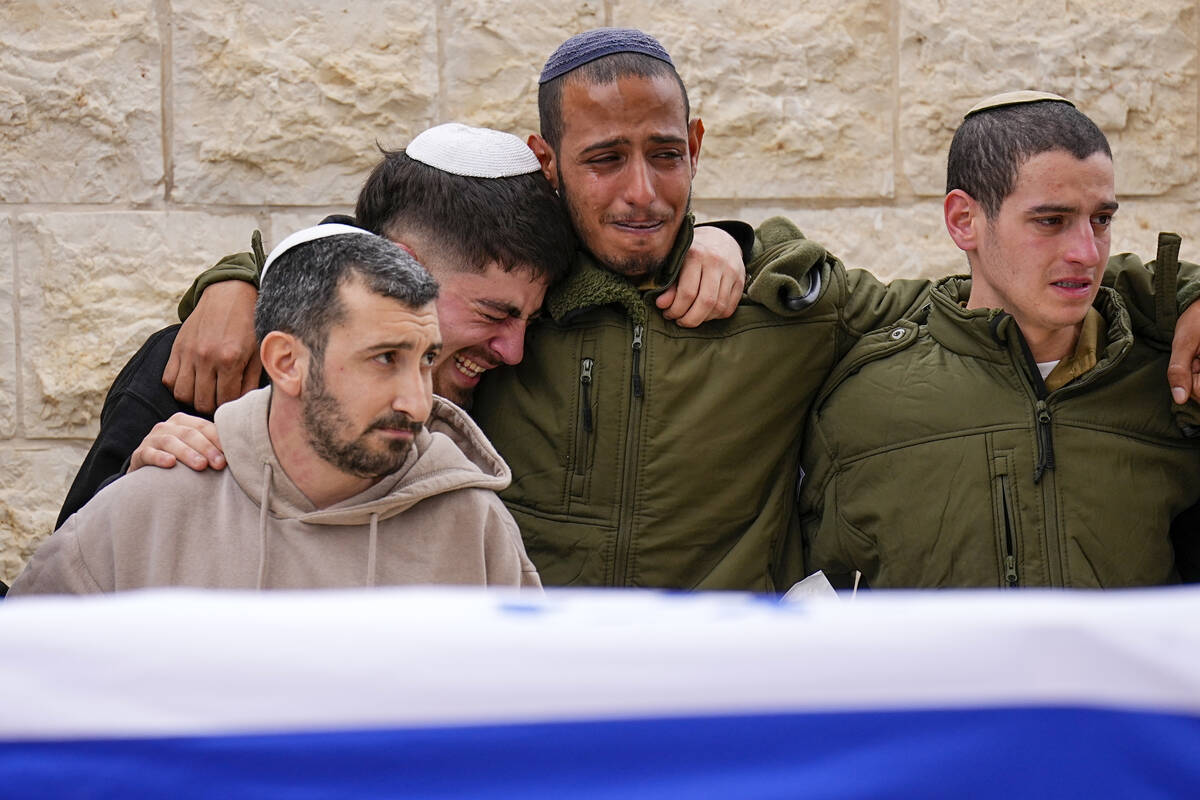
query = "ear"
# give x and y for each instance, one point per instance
(286, 360)
(403, 246)
(964, 216)
(545, 156)
(695, 137)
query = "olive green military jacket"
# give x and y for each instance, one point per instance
(935, 456)
(645, 454)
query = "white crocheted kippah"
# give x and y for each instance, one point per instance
(307, 235)
(473, 152)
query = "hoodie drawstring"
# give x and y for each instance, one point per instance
(262, 526)
(264, 503)
(371, 547)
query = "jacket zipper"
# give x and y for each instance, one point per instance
(637, 360)
(1010, 551)
(629, 474)
(1045, 444)
(1041, 411)
(585, 423)
(1043, 473)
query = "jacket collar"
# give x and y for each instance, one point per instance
(991, 333)
(590, 284)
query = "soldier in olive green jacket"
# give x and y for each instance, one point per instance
(1016, 431)
(644, 454)
(938, 457)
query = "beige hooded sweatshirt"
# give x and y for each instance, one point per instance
(437, 519)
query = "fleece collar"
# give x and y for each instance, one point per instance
(590, 285)
(988, 332)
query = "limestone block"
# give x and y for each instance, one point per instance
(796, 102)
(283, 223)
(278, 101)
(93, 287)
(8, 335)
(80, 102)
(1137, 224)
(494, 55)
(34, 479)
(1130, 66)
(909, 242)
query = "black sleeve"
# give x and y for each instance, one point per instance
(1185, 536)
(742, 233)
(136, 402)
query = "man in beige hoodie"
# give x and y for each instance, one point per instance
(346, 471)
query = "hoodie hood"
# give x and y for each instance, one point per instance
(449, 453)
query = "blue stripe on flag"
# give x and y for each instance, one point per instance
(992, 753)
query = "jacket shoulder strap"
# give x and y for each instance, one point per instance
(1166, 281)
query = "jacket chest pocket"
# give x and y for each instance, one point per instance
(1004, 511)
(583, 446)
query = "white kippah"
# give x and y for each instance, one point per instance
(307, 235)
(472, 152)
(1014, 99)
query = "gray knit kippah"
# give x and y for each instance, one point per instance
(473, 152)
(597, 43)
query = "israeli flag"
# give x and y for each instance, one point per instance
(468, 693)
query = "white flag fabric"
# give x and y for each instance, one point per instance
(440, 692)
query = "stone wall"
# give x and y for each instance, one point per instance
(141, 139)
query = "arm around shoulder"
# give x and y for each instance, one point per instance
(713, 275)
(787, 272)
(1159, 297)
(1146, 288)
(236, 267)
(215, 355)
(793, 275)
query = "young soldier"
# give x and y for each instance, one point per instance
(1016, 432)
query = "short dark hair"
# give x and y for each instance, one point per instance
(602, 71)
(517, 222)
(990, 146)
(299, 294)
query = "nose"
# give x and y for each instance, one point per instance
(1084, 246)
(639, 183)
(413, 393)
(509, 344)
